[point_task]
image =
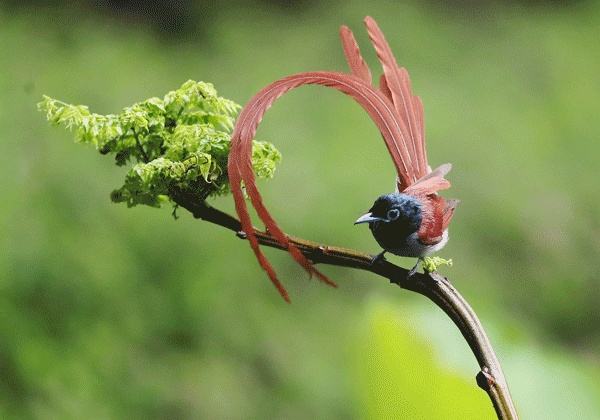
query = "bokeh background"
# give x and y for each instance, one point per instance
(109, 312)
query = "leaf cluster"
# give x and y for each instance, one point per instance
(180, 142)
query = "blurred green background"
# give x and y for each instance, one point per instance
(109, 312)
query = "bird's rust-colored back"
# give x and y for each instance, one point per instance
(398, 115)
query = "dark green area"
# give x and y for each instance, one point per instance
(115, 312)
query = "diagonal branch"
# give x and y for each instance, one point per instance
(433, 286)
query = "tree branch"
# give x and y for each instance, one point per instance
(433, 286)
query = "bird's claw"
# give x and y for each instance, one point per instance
(412, 271)
(378, 257)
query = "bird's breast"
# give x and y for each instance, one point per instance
(404, 243)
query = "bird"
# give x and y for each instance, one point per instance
(408, 224)
(413, 221)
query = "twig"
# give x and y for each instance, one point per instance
(140, 147)
(435, 287)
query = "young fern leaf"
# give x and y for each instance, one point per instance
(180, 142)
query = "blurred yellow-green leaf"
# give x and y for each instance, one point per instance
(400, 376)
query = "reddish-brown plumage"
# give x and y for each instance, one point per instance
(397, 82)
(393, 108)
(357, 64)
(431, 230)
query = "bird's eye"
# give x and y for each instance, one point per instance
(393, 214)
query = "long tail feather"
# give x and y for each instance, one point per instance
(398, 83)
(421, 147)
(242, 211)
(357, 64)
(383, 87)
(240, 170)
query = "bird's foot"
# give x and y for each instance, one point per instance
(414, 269)
(378, 257)
(431, 264)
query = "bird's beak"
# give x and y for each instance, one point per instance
(367, 218)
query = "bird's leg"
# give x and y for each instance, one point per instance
(378, 257)
(414, 269)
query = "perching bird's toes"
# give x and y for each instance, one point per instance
(379, 257)
(414, 269)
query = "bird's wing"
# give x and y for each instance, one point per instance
(378, 106)
(432, 227)
(432, 182)
(395, 83)
(437, 212)
(437, 215)
(449, 212)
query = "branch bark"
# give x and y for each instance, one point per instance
(433, 286)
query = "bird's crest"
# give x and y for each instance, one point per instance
(397, 113)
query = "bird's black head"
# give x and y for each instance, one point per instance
(400, 210)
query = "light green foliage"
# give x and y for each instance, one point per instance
(431, 264)
(180, 141)
(401, 377)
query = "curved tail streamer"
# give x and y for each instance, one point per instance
(396, 82)
(356, 62)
